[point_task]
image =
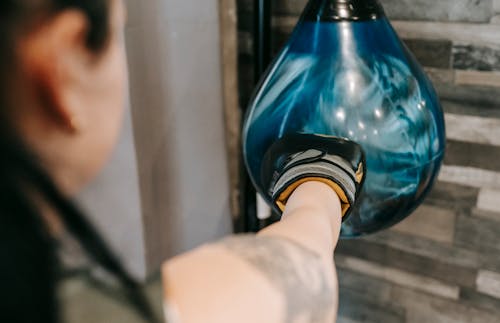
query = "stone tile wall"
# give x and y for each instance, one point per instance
(443, 263)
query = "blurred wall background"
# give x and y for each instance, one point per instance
(167, 188)
(443, 263)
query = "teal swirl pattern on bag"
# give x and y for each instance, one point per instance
(354, 80)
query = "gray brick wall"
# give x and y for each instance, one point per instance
(443, 263)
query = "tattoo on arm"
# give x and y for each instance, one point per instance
(297, 272)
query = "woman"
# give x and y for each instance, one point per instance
(63, 82)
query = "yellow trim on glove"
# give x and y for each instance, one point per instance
(360, 173)
(283, 197)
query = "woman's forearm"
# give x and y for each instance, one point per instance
(312, 218)
(284, 274)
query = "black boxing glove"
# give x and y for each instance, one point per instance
(299, 158)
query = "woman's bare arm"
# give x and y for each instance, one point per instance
(283, 274)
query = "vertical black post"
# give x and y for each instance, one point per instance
(262, 58)
(262, 36)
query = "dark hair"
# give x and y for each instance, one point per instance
(29, 268)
